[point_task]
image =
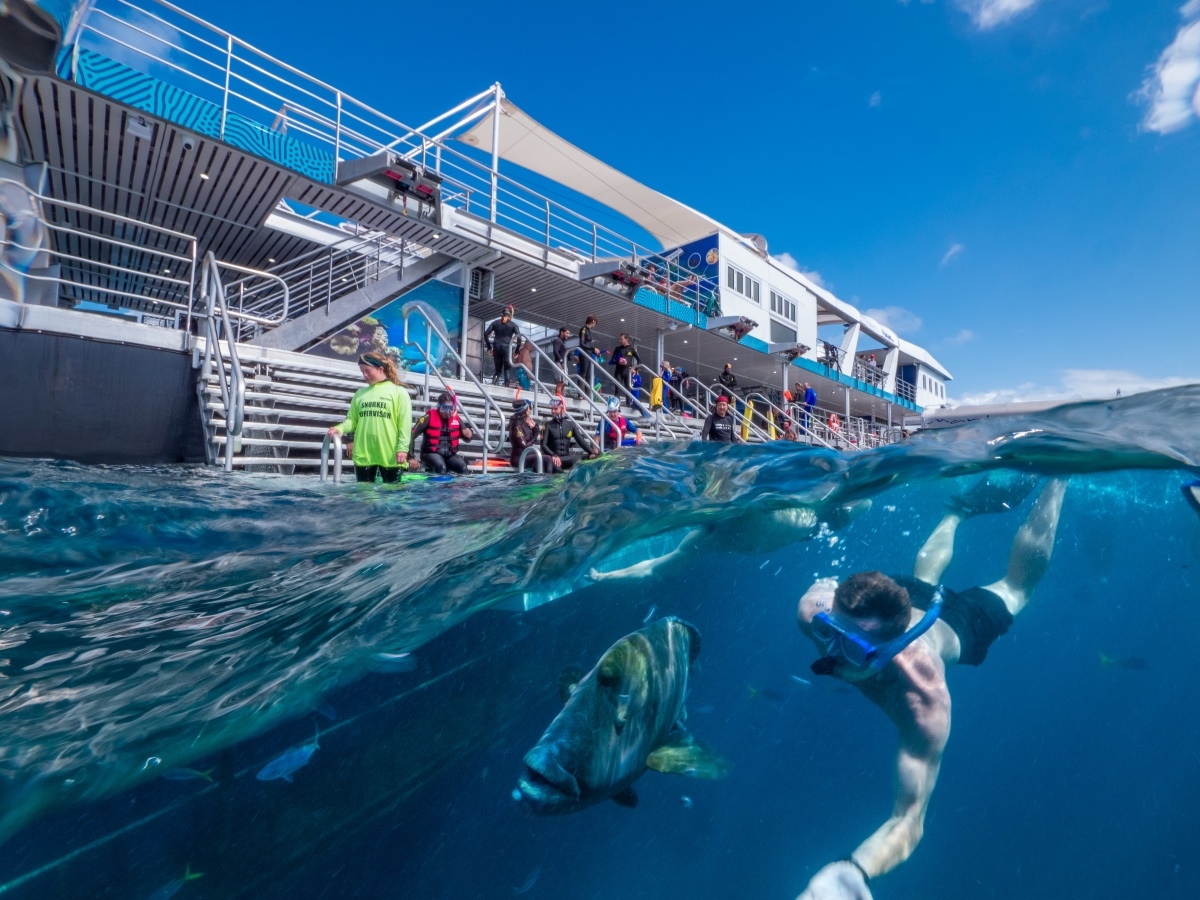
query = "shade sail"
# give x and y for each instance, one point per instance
(529, 144)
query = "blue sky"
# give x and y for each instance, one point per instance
(1015, 184)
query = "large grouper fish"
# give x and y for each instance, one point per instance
(624, 716)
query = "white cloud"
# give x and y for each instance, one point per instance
(786, 259)
(990, 13)
(897, 318)
(876, 99)
(1172, 87)
(963, 337)
(954, 250)
(1077, 384)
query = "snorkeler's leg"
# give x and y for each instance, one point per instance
(1031, 548)
(457, 465)
(935, 555)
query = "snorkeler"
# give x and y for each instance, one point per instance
(894, 637)
(442, 428)
(558, 434)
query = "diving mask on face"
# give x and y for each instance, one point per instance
(847, 647)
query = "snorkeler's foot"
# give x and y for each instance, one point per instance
(1191, 493)
(996, 492)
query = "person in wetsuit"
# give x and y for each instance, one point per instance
(558, 435)
(721, 425)
(894, 637)
(586, 353)
(522, 431)
(442, 429)
(558, 352)
(624, 360)
(497, 340)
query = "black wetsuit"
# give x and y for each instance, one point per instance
(558, 350)
(558, 435)
(498, 338)
(586, 353)
(520, 435)
(978, 616)
(623, 360)
(722, 429)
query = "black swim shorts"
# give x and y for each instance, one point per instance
(977, 615)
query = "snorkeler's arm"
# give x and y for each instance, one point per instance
(403, 424)
(347, 427)
(922, 714)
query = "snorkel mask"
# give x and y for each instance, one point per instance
(848, 648)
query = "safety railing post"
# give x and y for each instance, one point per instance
(336, 439)
(228, 70)
(337, 132)
(428, 356)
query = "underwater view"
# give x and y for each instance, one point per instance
(224, 686)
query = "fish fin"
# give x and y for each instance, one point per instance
(568, 681)
(287, 778)
(189, 875)
(627, 798)
(206, 775)
(682, 754)
(1106, 660)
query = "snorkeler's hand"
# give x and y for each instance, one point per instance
(837, 881)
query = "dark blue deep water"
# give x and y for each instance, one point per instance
(158, 620)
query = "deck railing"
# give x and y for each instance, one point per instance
(245, 84)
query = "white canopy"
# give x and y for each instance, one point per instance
(527, 143)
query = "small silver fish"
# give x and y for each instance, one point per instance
(685, 801)
(151, 762)
(529, 882)
(392, 663)
(799, 680)
(650, 615)
(286, 764)
(187, 775)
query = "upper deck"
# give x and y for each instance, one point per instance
(163, 117)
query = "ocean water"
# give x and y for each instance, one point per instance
(160, 623)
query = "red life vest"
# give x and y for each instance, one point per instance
(433, 434)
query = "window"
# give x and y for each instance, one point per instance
(743, 284)
(782, 306)
(781, 334)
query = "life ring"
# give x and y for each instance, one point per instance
(835, 424)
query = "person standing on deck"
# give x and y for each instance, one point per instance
(893, 639)
(380, 419)
(721, 424)
(558, 352)
(624, 359)
(497, 339)
(587, 353)
(810, 401)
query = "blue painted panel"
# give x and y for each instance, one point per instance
(149, 94)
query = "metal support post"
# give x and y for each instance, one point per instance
(496, 151)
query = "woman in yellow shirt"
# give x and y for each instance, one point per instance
(380, 419)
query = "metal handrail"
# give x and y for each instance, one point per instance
(746, 420)
(488, 403)
(598, 367)
(337, 457)
(233, 384)
(537, 452)
(667, 387)
(554, 367)
(750, 397)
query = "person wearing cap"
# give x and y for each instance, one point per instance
(497, 340)
(721, 424)
(558, 434)
(443, 430)
(617, 429)
(522, 430)
(380, 418)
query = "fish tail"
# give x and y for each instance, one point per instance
(1106, 660)
(753, 691)
(189, 875)
(206, 775)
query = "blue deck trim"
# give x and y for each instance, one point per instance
(834, 375)
(684, 312)
(149, 94)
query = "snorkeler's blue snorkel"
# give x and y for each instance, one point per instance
(847, 647)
